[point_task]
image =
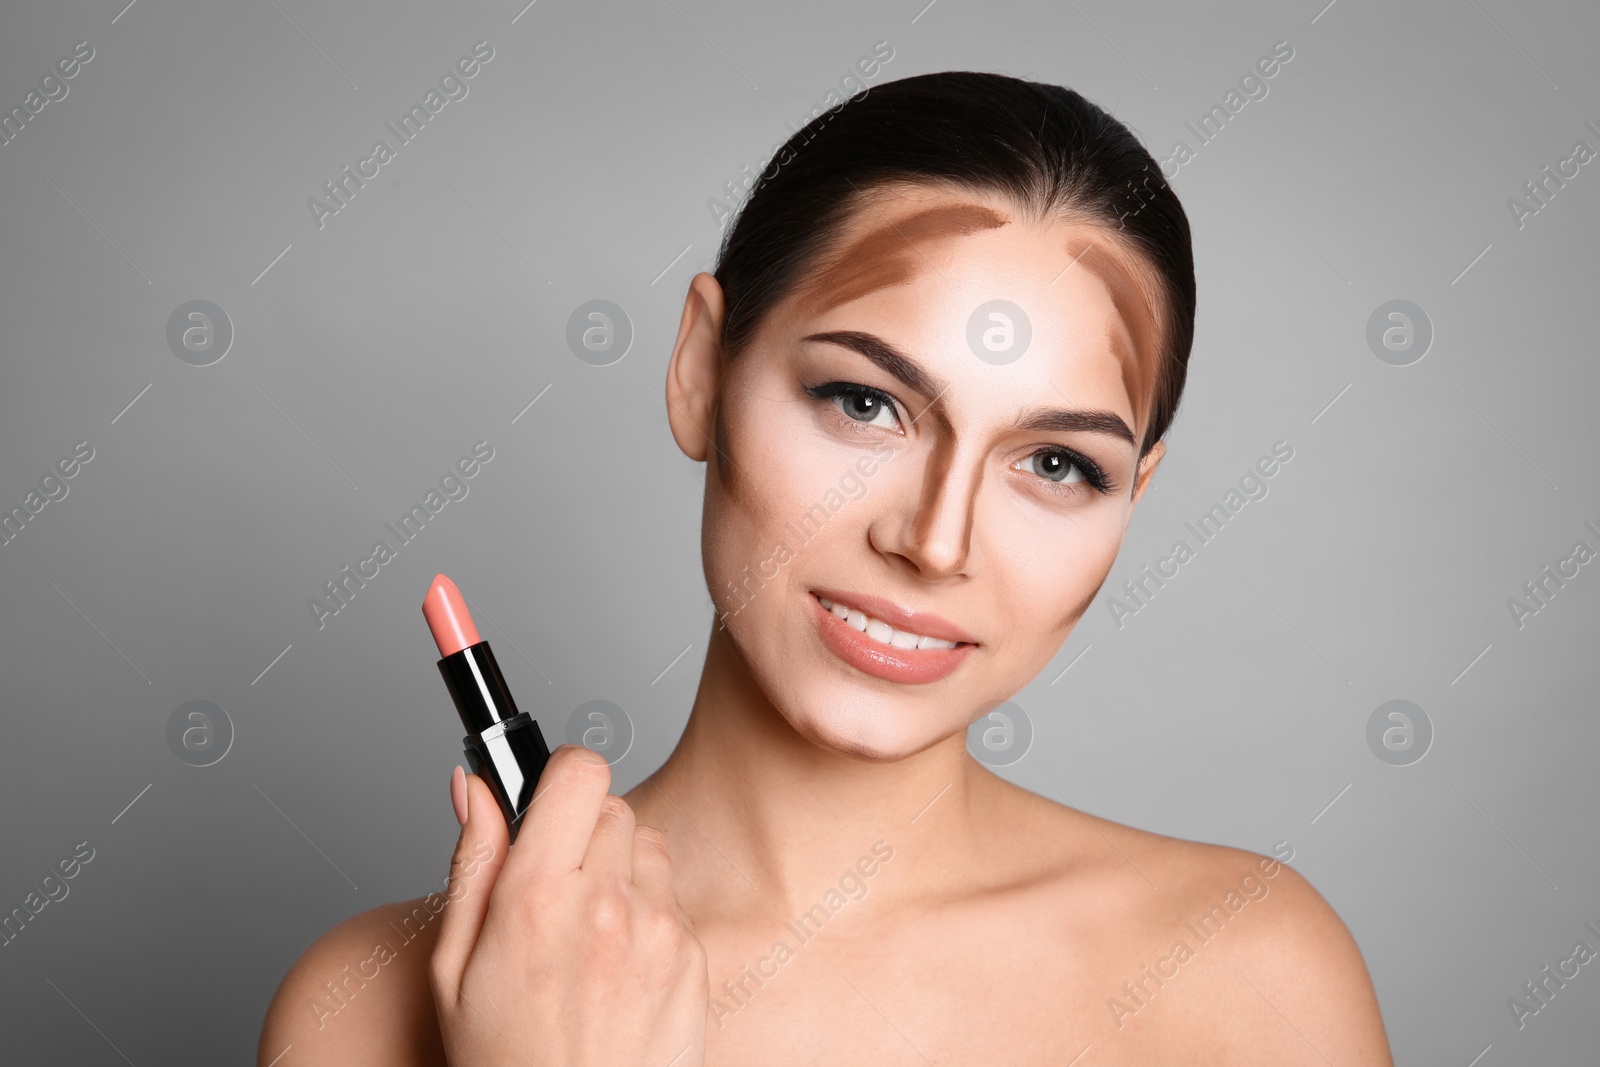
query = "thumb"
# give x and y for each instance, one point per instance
(480, 853)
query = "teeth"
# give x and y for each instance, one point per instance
(881, 631)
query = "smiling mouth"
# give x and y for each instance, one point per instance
(884, 634)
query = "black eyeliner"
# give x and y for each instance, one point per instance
(1091, 470)
(828, 390)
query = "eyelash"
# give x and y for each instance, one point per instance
(1091, 472)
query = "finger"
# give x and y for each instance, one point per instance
(480, 854)
(652, 862)
(610, 850)
(561, 818)
(458, 794)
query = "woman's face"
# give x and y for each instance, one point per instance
(883, 438)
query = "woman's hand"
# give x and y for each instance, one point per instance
(569, 950)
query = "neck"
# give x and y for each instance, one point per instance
(763, 818)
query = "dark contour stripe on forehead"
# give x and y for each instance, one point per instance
(1136, 297)
(890, 254)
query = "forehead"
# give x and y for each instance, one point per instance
(891, 248)
(895, 239)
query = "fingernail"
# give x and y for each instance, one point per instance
(458, 794)
(589, 755)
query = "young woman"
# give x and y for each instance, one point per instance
(930, 378)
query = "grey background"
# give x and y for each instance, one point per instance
(428, 313)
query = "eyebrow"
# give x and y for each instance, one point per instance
(896, 363)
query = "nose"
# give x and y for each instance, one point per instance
(928, 525)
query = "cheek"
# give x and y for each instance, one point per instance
(754, 472)
(745, 517)
(1054, 569)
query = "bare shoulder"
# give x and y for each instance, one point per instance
(360, 994)
(1291, 978)
(1218, 947)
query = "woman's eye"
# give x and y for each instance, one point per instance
(1066, 468)
(866, 408)
(1056, 466)
(869, 407)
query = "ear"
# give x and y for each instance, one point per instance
(694, 373)
(1147, 467)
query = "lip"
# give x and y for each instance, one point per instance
(899, 616)
(911, 666)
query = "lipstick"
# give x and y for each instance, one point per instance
(503, 746)
(911, 666)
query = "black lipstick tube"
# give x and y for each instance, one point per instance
(503, 746)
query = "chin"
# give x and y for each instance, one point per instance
(868, 730)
